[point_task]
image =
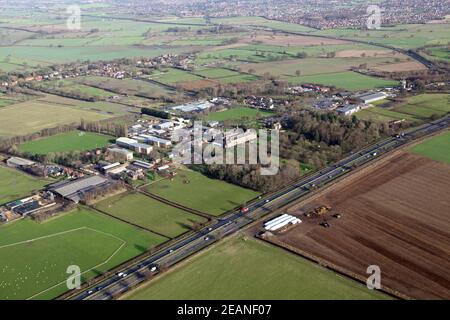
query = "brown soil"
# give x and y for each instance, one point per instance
(395, 215)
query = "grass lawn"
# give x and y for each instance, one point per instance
(149, 213)
(436, 148)
(239, 113)
(202, 193)
(240, 268)
(65, 142)
(15, 184)
(35, 256)
(346, 80)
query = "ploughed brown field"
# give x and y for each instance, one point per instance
(394, 214)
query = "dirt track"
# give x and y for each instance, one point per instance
(395, 215)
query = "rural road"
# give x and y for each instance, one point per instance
(139, 271)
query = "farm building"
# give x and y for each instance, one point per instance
(159, 142)
(125, 142)
(16, 162)
(348, 109)
(121, 154)
(141, 148)
(194, 106)
(142, 164)
(371, 97)
(237, 137)
(74, 189)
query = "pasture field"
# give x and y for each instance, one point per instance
(66, 86)
(378, 114)
(54, 54)
(35, 256)
(260, 21)
(216, 73)
(238, 113)
(240, 54)
(32, 116)
(149, 213)
(102, 107)
(436, 148)
(196, 191)
(173, 76)
(126, 86)
(313, 66)
(403, 36)
(424, 106)
(15, 184)
(65, 142)
(346, 80)
(238, 268)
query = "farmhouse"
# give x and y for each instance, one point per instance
(371, 97)
(75, 189)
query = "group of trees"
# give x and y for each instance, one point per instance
(249, 176)
(155, 113)
(318, 139)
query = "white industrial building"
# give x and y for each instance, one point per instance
(281, 222)
(125, 142)
(237, 137)
(371, 97)
(159, 142)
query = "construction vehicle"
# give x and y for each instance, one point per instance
(321, 210)
(325, 224)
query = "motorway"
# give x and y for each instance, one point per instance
(149, 266)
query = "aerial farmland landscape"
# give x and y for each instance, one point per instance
(210, 150)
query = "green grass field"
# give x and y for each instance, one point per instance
(35, 256)
(149, 213)
(378, 114)
(346, 80)
(425, 105)
(436, 148)
(32, 116)
(15, 184)
(241, 268)
(173, 76)
(202, 193)
(238, 113)
(65, 142)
